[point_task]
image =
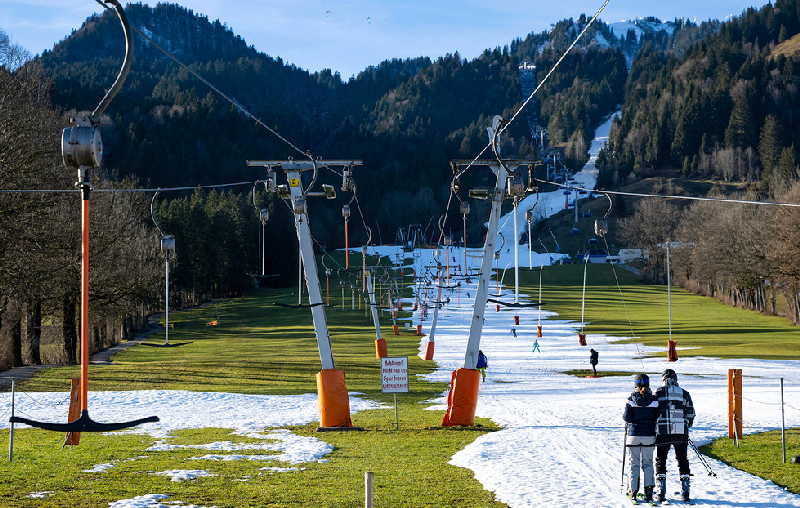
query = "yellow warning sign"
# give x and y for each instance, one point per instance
(294, 182)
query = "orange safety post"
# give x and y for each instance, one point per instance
(429, 350)
(461, 403)
(582, 339)
(735, 426)
(516, 320)
(672, 353)
(74, 438)
(380, 348)
(419, 330)
(334, 402)
(396, 329)
(497, 308)
(539, 333)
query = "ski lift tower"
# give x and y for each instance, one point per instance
(464, 387)
(334, 403)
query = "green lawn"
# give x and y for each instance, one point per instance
(700, 322)
(258, 349)
(760, 454)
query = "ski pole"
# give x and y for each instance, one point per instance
(624, 453)
(702, 459)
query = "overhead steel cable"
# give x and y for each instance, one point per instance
(670, 196)
(216, 90)
(155, 189)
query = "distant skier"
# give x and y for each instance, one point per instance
(536, 346)
(676, 415)
(594, 356)
(514, 332)
(483, 364)
(641, 413)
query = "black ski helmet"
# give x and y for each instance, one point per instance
(669, 374)
(641, 380)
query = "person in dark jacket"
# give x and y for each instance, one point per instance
(641, 413)
(593, 357)
(676, 415)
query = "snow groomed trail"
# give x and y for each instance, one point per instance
(562, 438)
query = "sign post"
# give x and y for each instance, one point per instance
(394, 380)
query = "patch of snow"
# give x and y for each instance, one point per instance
(294, 449)
(151, 501)
(40, 495)
(100, 468)
(182, 475)
(272, 469)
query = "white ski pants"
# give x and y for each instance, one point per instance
(640, 457)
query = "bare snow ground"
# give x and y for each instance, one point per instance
(562, 442)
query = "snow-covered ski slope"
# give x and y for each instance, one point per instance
(562, 438)
(547, 204)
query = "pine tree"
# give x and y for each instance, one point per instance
(769, 147)
(740, 132)
(786, 171)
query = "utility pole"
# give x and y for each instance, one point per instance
(331, 387)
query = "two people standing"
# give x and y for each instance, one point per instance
(659, 421)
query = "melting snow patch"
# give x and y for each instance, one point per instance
(100, 468)
(294, 449)
(181, 475)
(282, 469)
(40, 495)
(151, 501)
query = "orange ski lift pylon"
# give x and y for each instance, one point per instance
(167, 243)
(82, 150)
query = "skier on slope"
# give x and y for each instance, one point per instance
(594, 357)
(641, 413)
(676, 415)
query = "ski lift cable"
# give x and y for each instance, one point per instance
(624, 303)
(670, 196)
(120, 190)
(216, 90)
(539, 87)
(122, 75)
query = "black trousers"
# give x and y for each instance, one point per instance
(681, 444)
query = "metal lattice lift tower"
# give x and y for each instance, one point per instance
(331, 388)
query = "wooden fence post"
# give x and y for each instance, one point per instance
(735, 426)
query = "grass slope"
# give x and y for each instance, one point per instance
(258, 349)
(760, 454)
(713, 328)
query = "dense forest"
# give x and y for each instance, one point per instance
(725, 109)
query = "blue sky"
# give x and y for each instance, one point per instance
(348, 35)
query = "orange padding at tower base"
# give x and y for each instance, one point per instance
(539, 331)
(334, 403)
(672, 353)
(419, 330)
(582, 339)
(396, 329)
(380, 348)
(429, 350)
(462, 400)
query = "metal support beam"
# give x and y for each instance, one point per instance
(310, 267)
(476, 327)
(373, 303)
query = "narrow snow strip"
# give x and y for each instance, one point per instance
(182, 475)
(272, 469)
(181, 409)
(226, 458)
(100, 468)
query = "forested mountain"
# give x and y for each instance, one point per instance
(724, 109)
(405, 118)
